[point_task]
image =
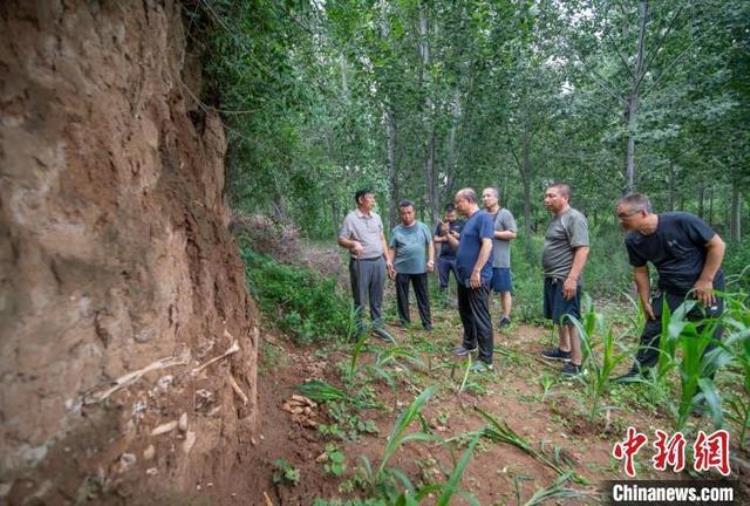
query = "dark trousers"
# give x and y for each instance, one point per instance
(445, 265)
(419, 281)
(648, 352)
(368, 279)
(474, 308)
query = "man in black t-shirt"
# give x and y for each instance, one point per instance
(447, 257)
(687, 254)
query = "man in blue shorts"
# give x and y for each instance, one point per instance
(687, 254)
(566, 247)
(504, 231)
(447, 257)
(474, 270)
(413, 257)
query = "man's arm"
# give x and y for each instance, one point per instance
(484, 254)
(704, 286)
(571, 282)
(452, 240)
(387, 255)
(506, 235)
(640, 276)
(391, 272)
(430, 256)
(352, 245)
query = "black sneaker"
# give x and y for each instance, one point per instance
(504, 322)
(462, 352)
(556, 354)
(632, 376)
(571, 370)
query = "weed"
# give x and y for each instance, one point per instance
(335, 460)
(285, 473)
(347, 426)
(546, 381)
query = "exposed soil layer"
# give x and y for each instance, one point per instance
(114, 253)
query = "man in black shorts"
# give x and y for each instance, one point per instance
(566, 247)
(687, 254)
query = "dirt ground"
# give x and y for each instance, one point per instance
(497, 474)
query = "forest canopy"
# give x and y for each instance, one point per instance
(418, 99)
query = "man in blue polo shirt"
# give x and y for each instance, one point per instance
(474, 271)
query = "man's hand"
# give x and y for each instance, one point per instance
(430, 266)
(570, 287)
(704, 292)
(356, 248)
(476, 279)
(391, 270)
(648, 310)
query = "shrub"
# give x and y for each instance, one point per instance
(299, 300)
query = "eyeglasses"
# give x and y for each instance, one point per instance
(623, 216)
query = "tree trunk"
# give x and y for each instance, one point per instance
(631, 107)
(431, 176)
(701, 198)
(711, 206)
(526, 180)
(672, 187)
(735, 229)
(392, 137)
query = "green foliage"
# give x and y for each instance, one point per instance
(348, 425)
(335, 460)
(386, 481)
(599, 368)
(285, 473)
(299, 300)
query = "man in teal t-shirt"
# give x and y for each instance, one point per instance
(414, 256)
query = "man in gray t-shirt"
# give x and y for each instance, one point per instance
(362, 234)
(566, 247)
(504, 231)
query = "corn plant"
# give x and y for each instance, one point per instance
(737, 342)
(556, 491)
(446, 490)
(385, 480)
(500, 431)
(598, 373)
(696, 366)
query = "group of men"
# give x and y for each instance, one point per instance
(686, 252)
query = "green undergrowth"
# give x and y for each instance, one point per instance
(299, 301)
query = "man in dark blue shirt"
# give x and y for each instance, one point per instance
(473, 272)
(687, 254)
(447, 258)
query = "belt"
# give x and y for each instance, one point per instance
(366, 259)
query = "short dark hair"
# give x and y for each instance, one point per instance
(563, 188)
(362, 193)
(450, 208)
(406, 203)
(495, 190)
(636, 201)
